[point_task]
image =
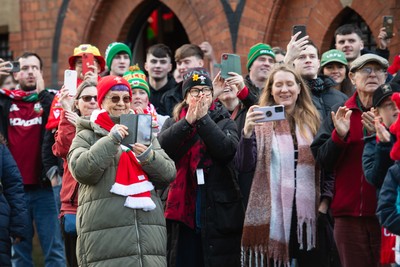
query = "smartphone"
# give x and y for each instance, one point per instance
(388, 24)
(230, 63)
(272, 113)
(139, 128)
(14, 65)
(70, 81)
(87, 60)
(299, 28)
(144, 129)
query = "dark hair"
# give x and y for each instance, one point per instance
(159, 50)
(3, 140)
(278, 50)
(188, 50)
(4, 77)
(32, 54)
(310, 42)
(348, 29)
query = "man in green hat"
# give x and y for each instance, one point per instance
(118, 58)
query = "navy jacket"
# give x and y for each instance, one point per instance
(13, 210)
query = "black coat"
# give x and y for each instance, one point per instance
(13, 211)
(222, 211)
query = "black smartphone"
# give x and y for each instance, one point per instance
(230, 63)
(299, 28)
(272, 113)
(14, 65)
(139, 128)
(388, 24)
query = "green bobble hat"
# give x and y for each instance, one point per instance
(258, 50)
(137, 79)
(333, 55)
(115, 48)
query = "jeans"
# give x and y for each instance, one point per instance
(42, 211)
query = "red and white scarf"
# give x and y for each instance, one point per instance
(130, 179)
(266, 229)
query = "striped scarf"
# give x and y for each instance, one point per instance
(266, 229)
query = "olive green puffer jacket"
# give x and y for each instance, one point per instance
(110, 234)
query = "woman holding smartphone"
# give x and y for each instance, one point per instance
(281, 216)
(204, 209)
(120, 219)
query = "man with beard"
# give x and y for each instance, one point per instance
(158, 65)
(24, 112)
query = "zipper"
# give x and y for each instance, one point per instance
(138, 239)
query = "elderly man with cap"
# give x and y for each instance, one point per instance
(118, 58)
(338, 146)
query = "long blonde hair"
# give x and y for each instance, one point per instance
(305, 115)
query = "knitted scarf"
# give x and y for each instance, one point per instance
(18, 94)
(266, 229)
(181, 201)
(130, 179)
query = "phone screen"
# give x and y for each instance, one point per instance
(144, 129)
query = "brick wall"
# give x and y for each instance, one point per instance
(102, 22)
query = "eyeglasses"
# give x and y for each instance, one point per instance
(88, 98)
(368, 71)
(115, 99)
(196, 91)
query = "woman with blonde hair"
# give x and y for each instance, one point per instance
(280, 222)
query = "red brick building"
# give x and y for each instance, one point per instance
(53, 28)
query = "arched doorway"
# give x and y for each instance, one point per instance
(150, 23)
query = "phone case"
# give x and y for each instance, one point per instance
(70, 81)
(272, 113)
(139, 128)
(230, 63)
(299, 28)
(87, 60)
(388, 24)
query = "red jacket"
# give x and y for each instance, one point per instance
(353, 196)
(69, 188)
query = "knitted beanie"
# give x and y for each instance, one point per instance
(113, 49)
(193, 77)
(258, 50)
(137, 79)
(86, 48)
(106, 83)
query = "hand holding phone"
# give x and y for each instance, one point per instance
(229, 63)
(299, 28)
(388, 25)
(139, 128)
(272, 113)
(70, 81)
(14, 66)
(87, 61)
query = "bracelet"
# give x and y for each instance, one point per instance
(149, 159)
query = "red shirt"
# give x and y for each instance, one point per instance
(24, 132)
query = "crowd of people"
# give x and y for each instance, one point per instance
(223, 181)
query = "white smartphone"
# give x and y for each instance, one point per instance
(272, 113)
(70, 81)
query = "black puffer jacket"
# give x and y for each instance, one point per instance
(13, 210)
(222, 211)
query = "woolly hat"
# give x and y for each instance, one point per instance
(137, 79)
(258, 50)
(333, 55)
(193, 77)
(115, 48)
(364, 59)
(106, 83)
(86, 48)
(384, 91)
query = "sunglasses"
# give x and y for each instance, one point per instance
(115, 99)
(88, 98)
